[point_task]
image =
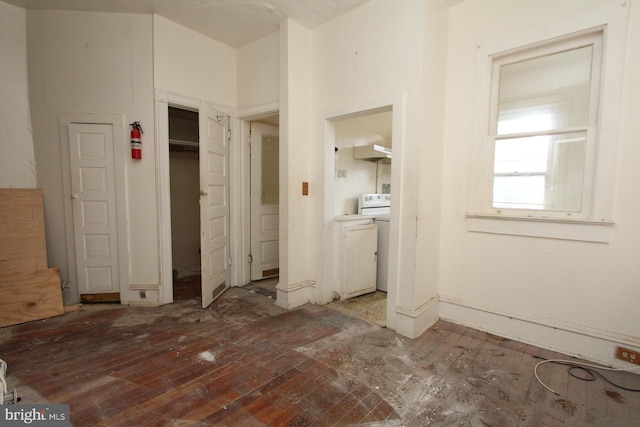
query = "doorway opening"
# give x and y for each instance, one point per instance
(360, 171)
(264, 202)
(184, 176)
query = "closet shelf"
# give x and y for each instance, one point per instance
(183, 143)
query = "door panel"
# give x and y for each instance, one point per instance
(214, 204)
(264, 201)
(359, 267)
(94, 207)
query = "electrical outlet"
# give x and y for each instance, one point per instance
(628, 355)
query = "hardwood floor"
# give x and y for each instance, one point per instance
(187, 287)
(245, 362)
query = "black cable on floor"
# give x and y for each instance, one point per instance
(585, 367)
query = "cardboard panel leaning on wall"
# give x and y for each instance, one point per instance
(22, 236)
(30, 295)
(28, 290)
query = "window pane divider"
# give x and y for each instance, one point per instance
(541, 133)
(518, 174)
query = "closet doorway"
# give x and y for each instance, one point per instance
(184, 175)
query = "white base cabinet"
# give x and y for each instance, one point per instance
(355, 246)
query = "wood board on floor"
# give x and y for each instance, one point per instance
(30, 295)
(22, 237)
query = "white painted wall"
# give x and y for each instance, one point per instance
(259, 72)
(17, 160)
(88, 62)
(429, 155)
(373, 52)
(189, 64)
(361, 178)
(297, 212)
(585, 289)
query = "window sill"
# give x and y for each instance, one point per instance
(550, 228)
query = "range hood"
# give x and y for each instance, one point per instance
(372, 153)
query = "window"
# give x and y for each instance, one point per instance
(543, 125)
(546, 128)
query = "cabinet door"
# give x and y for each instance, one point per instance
(359, 262)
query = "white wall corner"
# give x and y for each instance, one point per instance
(294, 295)
(413, 322)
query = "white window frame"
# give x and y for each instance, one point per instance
(590, 38)
(596, 218)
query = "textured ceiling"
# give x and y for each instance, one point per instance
(233, 22)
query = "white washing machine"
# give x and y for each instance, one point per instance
(379, 206)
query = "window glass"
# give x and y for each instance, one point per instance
(540, 172)
(540, 130)
(270, 194)
(544, 93)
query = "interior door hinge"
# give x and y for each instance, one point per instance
(229, 261)
(250, 258)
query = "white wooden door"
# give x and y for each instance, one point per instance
(93, 192)
(264, 201)
(214, 203)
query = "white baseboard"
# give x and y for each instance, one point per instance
(573, 340)
(294, 295)
(412, 323)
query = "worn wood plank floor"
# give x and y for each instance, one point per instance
(245, 362)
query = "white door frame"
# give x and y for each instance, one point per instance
(258, 210)
(163, 100)
(326, 128)
(117, 121)
(243, 164)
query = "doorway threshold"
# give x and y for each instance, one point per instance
(371, 307)
(266, 287)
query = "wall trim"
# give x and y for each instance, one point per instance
(255, 111)
(295, 294)
(548, 322)
(144, 287)
(575, 340)
(414, 322)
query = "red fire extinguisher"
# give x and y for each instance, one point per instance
(136, 140)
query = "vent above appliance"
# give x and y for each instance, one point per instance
(372, 153)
